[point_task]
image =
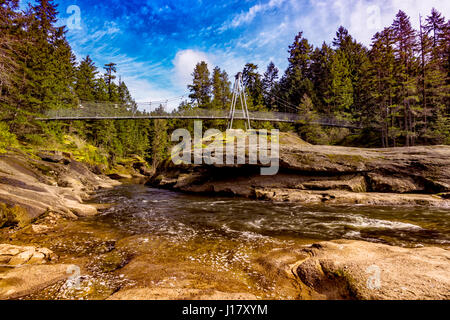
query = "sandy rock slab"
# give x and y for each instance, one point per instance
(23, 270)
(178, 294)
(360, 270)
(20, 282)
(15, 256)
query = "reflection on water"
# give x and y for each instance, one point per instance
(180, 217)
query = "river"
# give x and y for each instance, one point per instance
(160, 239)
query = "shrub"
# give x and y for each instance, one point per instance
(7, 139)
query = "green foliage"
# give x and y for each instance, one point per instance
(7, 139)
(201, 86)
(398, 89)
(160, 142)
(306, 128)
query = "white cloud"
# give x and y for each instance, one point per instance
(363, 18)
(186, 60)
(248, 16)
(144, 90)
(184, 64)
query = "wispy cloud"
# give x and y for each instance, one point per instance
(248, 16)
(156, 43)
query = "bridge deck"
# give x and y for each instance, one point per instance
(95, 112)
(322, 123)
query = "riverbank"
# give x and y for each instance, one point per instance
(416, 176)
(150, 244)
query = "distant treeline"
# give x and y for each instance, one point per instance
(38, 72)
(399, 89)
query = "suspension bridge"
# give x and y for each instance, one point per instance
(92, 111)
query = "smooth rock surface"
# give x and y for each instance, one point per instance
(416, 176)
(347, 269)
(37, 186)
(19, 282)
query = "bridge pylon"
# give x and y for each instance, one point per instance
(239, 93)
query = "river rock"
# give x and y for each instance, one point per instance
(120, 176)
(14, 256)
(379, 183)
(55, 157)
(20, 282)
(21, 258)
(30, 188)
(178, 294)
(418, 176)
(370, 271)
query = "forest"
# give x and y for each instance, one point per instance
(398, 89)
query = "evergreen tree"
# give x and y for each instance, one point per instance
(405, 48)
(434, 36)
(358, 63)
(8, 64)
(296, 81)
(220, 89)
(85, 84)
(340, 86)
(307, 129)
(252, 82)
(322, 60)
(109, 78)
(383, 112)
(270, 86)
(201, 85)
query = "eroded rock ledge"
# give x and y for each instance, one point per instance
(30, 187)
(327, 174)
(360, 270)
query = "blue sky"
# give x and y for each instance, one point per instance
(156, 43)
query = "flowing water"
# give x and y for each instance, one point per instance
(160, 240)
(180, 217)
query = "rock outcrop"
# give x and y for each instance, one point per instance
(12, 256)
(346, 269)
(326, 174)
(27, 269)
(30, 187)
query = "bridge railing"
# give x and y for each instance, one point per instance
(88, 110)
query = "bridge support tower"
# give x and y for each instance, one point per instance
(239, 93)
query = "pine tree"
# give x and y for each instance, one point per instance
(270, 86)
(85, 84)
(109, 78)
(296, 81)
(8, 63)
(340, 86)
(251, 80)
(382, 113)
(220, 89)
(159, 143)
(322, 60)
(306, 127)
(435, 78)
(357, 59)
(406, 46)
(201, 85)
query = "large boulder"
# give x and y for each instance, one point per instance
(31, 187)
(370, 271)
(316, 174)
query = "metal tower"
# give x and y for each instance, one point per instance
(239, 91)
